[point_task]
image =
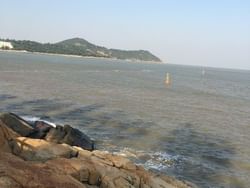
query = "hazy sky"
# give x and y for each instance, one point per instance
(197, 32)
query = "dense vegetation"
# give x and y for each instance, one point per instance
(78, 46)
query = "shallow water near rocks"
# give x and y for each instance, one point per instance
(197, 129)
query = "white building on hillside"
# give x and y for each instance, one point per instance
(4, 44)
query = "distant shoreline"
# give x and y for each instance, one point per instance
(87, 57)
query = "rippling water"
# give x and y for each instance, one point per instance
(198, 129)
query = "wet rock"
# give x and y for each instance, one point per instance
(42, 125)
(74, 137)
(41, 129)
(55, 134)
(70, 136)
(16, 123)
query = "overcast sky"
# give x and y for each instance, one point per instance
(192, 32)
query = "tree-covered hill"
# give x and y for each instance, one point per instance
(78, 46)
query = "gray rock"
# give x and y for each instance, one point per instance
(74, 137)
(17, 124)
(70, 136)
(41, 129)
(55, 134)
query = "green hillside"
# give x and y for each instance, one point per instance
(78, 46)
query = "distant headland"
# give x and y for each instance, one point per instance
(77, 47)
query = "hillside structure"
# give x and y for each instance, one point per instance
(4, 44)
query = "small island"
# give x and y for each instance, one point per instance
(78, 47)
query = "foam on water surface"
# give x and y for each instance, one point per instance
(33, 119)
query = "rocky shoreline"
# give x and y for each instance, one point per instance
(37, 154)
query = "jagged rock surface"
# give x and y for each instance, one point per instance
(59, 134)
(70, 136)
(16, 123)
(27, 163)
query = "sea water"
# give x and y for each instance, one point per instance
(196, 129)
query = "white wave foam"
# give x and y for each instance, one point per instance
(30, 118)
(49, 123)
(34, 118)
(146, 70)
(151, 164)
(151, 160)
(162, 160)
(127, 152)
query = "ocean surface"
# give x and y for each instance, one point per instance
(197, 129)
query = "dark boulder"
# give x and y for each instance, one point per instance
(74, 137)
(42, 125)
(41, 129)
(55, 134)
(17, 124)
(70, 136)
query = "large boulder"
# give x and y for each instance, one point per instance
(41, 129)
(17, 173)
(17, 124)
(55, 134)
(40, 150)
(70, 136)
(74, 137)
(105, 170)
(6, 137)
